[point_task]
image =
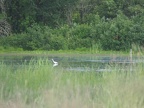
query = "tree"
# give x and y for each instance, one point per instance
(82, 10)
(5, 27)
(20, 14)
(107, 9)
(54, 12)
(130, 7)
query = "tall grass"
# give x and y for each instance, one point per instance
(39, 85)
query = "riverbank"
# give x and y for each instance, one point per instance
(64, 52)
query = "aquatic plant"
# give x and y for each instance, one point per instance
(37, 84)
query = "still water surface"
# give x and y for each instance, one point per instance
(79, 63)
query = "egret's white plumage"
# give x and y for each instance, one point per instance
(54, 61)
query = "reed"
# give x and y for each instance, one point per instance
(39, 85)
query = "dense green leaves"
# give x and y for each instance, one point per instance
(72, 24)
(20, 14)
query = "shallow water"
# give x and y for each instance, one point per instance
(79, 63)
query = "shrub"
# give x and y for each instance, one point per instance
(80, 36)
(113, 34)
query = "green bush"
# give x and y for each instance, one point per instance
(1, 48)
(113, 34)
(117, 35)
(80, 37)
(35, 38)
(137, 30)
(107, 34)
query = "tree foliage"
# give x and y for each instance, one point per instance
(72, 24)
(5, 27)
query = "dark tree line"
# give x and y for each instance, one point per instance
(5, 28)
(42, 24)
(23, 13)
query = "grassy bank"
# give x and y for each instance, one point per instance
(39, 85)
(65, 52)
(136, 50)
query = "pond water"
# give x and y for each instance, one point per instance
(79, 63)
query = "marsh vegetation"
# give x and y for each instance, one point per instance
(38, 85)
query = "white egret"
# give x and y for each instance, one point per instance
(55, 63)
